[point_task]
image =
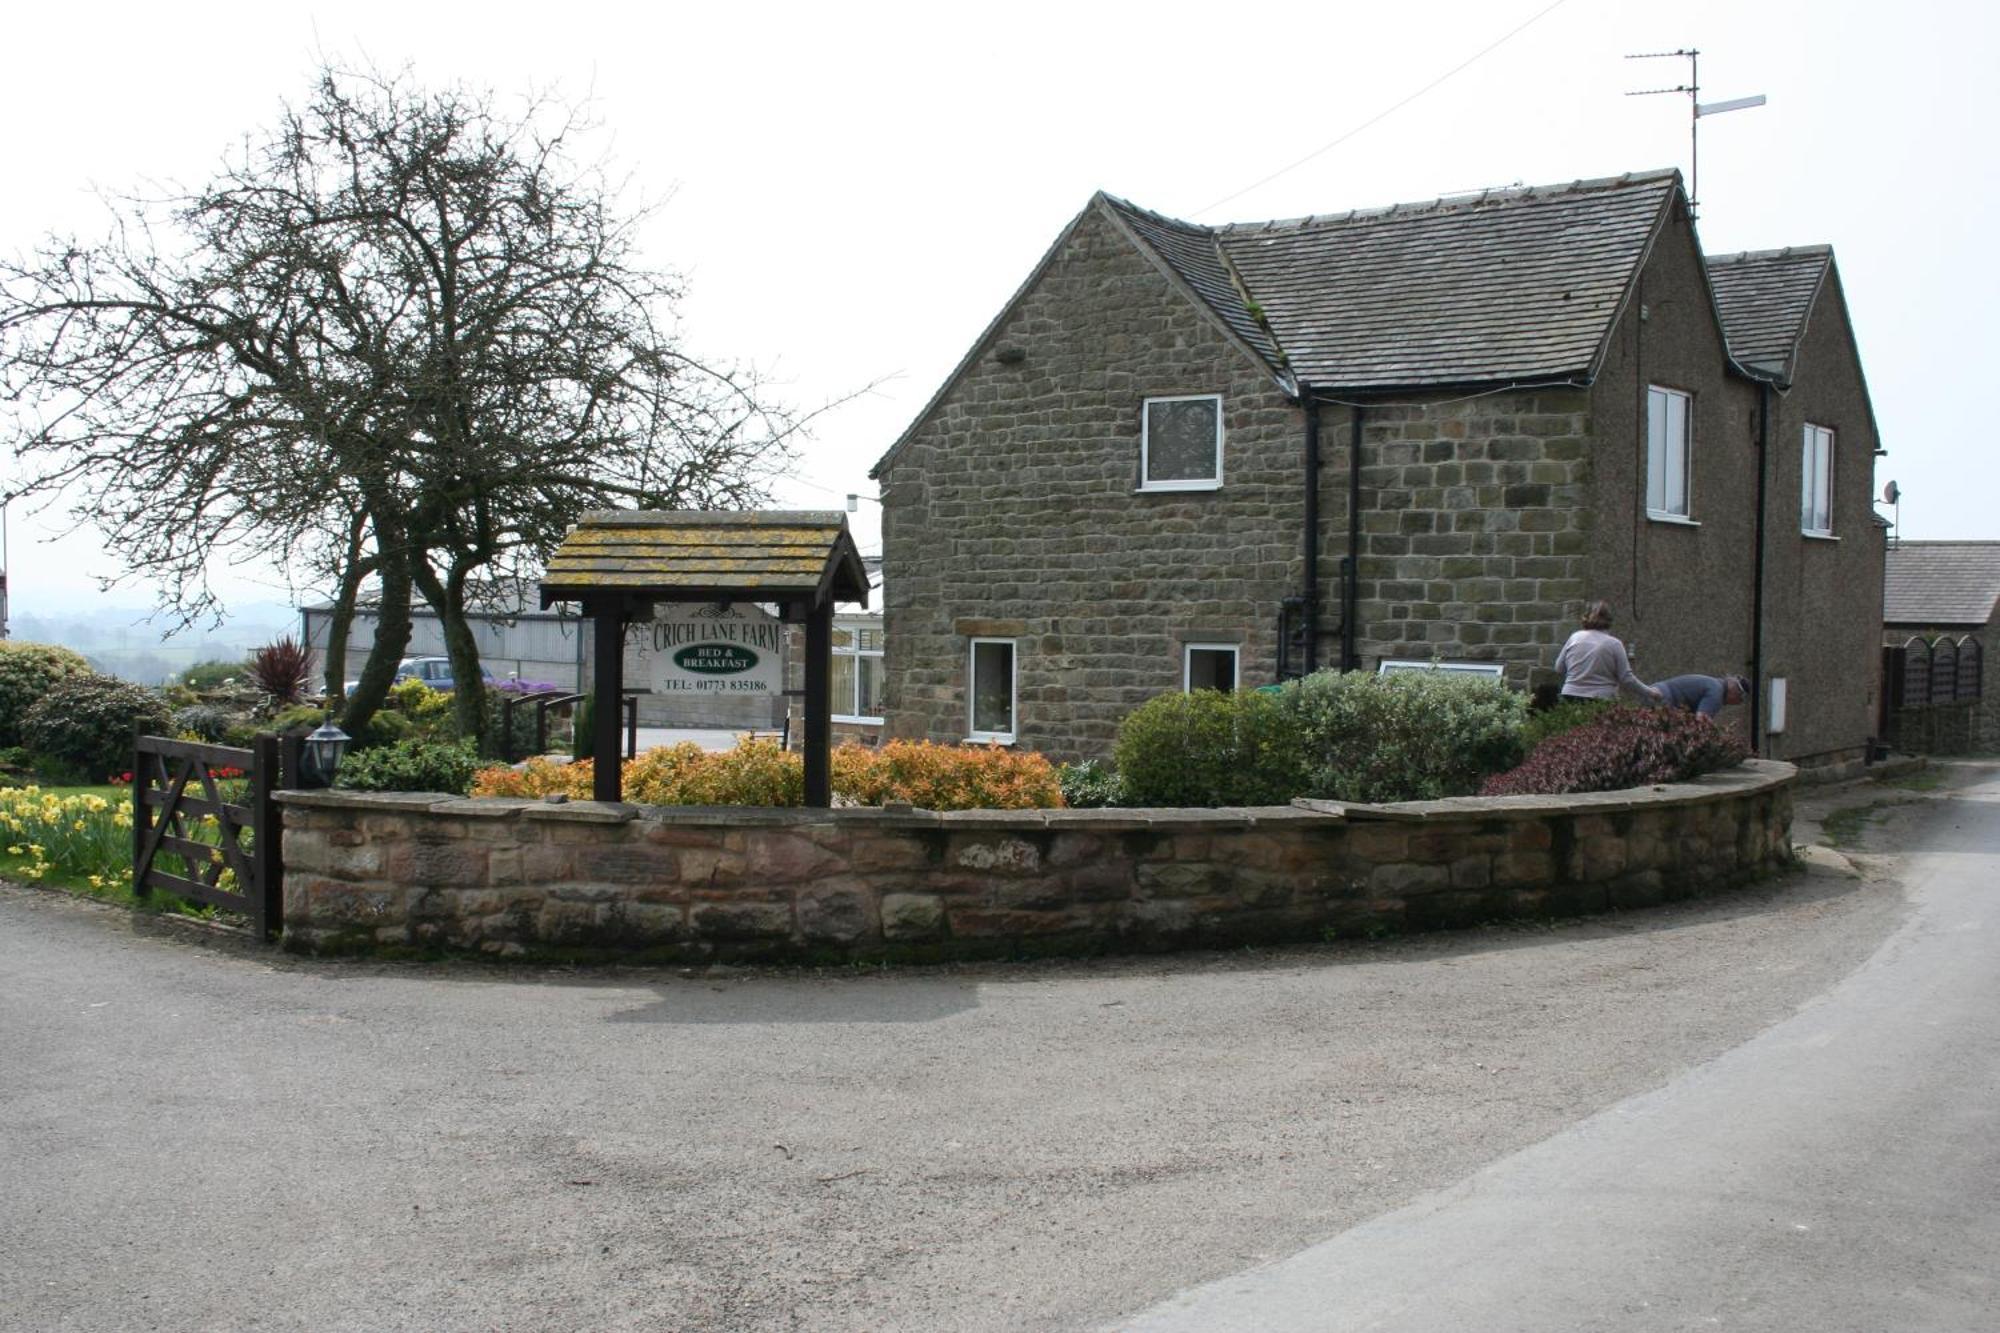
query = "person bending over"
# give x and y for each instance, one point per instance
(1706, 695)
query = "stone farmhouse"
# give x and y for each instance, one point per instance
(1940, 616)
(1188, 456)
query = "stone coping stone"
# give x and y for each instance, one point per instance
(1304, 812)
(480, 807)
(1751, 775)
(580, 812)
(402, 802)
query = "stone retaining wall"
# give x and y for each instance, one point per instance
(511, 877)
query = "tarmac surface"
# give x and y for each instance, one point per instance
(1840, 1171)
(218, 1137)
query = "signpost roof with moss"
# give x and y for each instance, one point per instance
(617, 563)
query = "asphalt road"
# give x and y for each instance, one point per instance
(1840, 1171)
(211, 1138)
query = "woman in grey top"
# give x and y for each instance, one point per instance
(1594, 664)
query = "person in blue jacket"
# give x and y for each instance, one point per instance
(1706, 695)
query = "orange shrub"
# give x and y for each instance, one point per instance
(657, 776)
(757, 772)
(946, 777)
(538, 777)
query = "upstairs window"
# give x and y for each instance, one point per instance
(1667, 449)
(991, 677)
(1816, 494)
(1180, 443)
(1209, 666)
(857, 674)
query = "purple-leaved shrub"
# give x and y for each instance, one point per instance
(1626, 747)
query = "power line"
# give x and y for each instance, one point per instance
(1379, 117)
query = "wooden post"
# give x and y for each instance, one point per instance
(819, 705)
(142, 814)
(608, 692)
(271, 765)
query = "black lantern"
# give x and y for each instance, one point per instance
(321, 754)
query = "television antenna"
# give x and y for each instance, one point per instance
(1696, 110)
(1892, 494)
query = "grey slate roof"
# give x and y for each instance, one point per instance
(1504, 286)
(1765, 298)
(1941, 583)
(1192, 253)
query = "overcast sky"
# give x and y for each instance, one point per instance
(854, 191)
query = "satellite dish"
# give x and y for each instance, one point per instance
(1891, 493)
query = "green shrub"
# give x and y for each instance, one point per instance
(387, 727)
(299, 717)
(204, 720)
(1207, 748)
(1407, 736)
(428, 711)
(412, 765)
(1565, 716)
(213, 675)
(88, 721)
(1090, 785)
(27, 670)
(522, 742)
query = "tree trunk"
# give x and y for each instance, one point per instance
(342, 622)
(392, 640)
(447, 598)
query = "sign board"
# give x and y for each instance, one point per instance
(700, 648)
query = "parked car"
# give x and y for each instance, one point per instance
(436, 672)
(432, 671)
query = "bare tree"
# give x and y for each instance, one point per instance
(404, 336)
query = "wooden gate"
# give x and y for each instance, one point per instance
(192, 842)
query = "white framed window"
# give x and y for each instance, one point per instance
(1180, 443)
(1209, 666)
(857, 674)
(991, 691)
(1816, 474)
(1669, 444)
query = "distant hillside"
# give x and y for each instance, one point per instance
(121, 641)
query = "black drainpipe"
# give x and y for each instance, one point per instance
(1757, 573)
(1311, 616)
(1350, 593)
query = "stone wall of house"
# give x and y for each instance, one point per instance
(1014, 510)
(1823, 595)
(1488, 520)
(1475, 523)
(515, 877)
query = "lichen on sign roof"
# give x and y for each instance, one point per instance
(700, 554)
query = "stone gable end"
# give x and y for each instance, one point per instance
(1014, 510)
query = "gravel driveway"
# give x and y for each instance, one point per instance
(215, 1137)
